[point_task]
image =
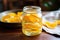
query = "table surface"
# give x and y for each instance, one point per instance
(18, 35)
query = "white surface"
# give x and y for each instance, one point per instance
(56, 15)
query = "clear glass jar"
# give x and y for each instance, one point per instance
(32, 20)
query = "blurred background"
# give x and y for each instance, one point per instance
(46, 5)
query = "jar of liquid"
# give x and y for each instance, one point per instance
(32, 20)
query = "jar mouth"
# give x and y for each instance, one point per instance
(32, 7)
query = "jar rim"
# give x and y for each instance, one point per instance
(30, 7)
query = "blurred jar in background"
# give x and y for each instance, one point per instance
(49, 5)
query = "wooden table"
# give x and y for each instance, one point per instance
(18, 35)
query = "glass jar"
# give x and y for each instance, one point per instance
(32, 20)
